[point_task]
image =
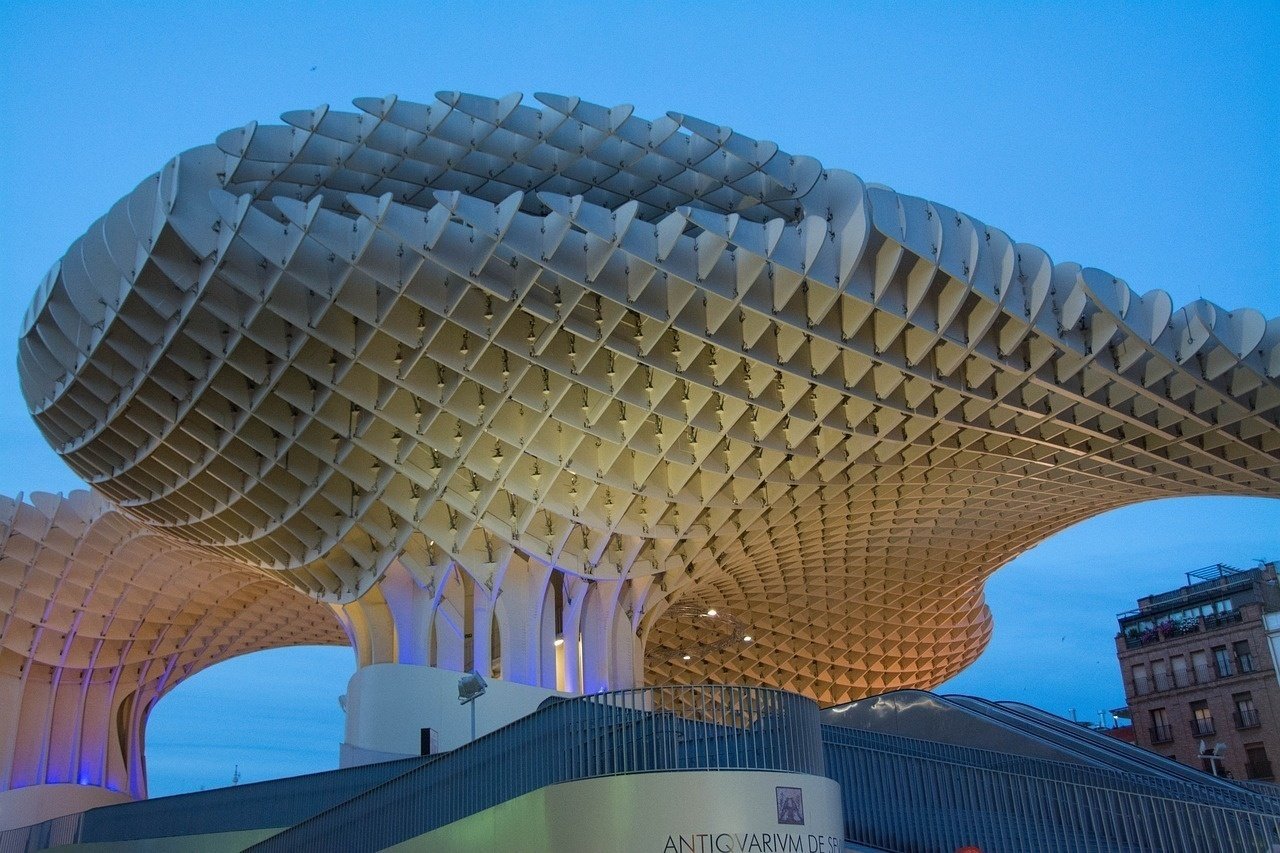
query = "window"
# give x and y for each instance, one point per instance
(1201, 719)
(1222, 661)
(1256, 763)
(1161, 731)
(1141, 683)
(1246, 715)
(1200, 665)
(1181, 678)
(1160, 674)
(1244, 656)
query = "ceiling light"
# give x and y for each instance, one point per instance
(711, 612)
(686, 657)
(559, 641)
(747, 638)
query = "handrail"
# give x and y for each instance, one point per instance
(898, 802)
(1050, 770)
(652, 729)
(252, 805)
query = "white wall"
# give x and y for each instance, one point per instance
(25, 806)
(389, 704)
(717, 811)
(1272, 623)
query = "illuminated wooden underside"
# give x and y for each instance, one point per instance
(566, 367)
(101, 618)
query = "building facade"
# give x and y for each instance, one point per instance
(1200, 671)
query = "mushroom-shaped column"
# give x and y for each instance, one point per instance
(100, 617)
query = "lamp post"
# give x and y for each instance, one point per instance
(470, 688)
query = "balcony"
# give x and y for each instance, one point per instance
(1203, 727)
(1158, 682)
(1222, 620)
(1258, 769)
(1169, 629)
(1161, 734)
(1247, 719)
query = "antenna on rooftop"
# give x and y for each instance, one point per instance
(235, 777)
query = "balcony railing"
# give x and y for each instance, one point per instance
(1161, 734)
(1258, 769)
(1135, 639)
(1203, 727)
(1221, 620)
(1247, 719)
(1161, 681)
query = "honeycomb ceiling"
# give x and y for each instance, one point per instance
(655, 352)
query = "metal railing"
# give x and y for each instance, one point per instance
(41, 836)
(253, 805)
(1162, 681)
(1247, 718)
(1161, 734)
(644, 730)
(1203, 727)
(1219, 620)
(1229, 796)
(898, 793)
(1171, 629)
(899, 802)
(1258, 769)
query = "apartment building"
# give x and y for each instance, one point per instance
(1200, 674)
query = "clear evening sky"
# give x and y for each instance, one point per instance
(1142, 139)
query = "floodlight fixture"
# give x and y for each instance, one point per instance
(471, 687)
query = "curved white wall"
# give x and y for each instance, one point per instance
(25, 806)
(714, 811)
(388, 705)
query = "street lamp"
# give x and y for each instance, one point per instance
(1213, 756)
(470, 688)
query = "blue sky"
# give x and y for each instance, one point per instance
(1141, 139)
